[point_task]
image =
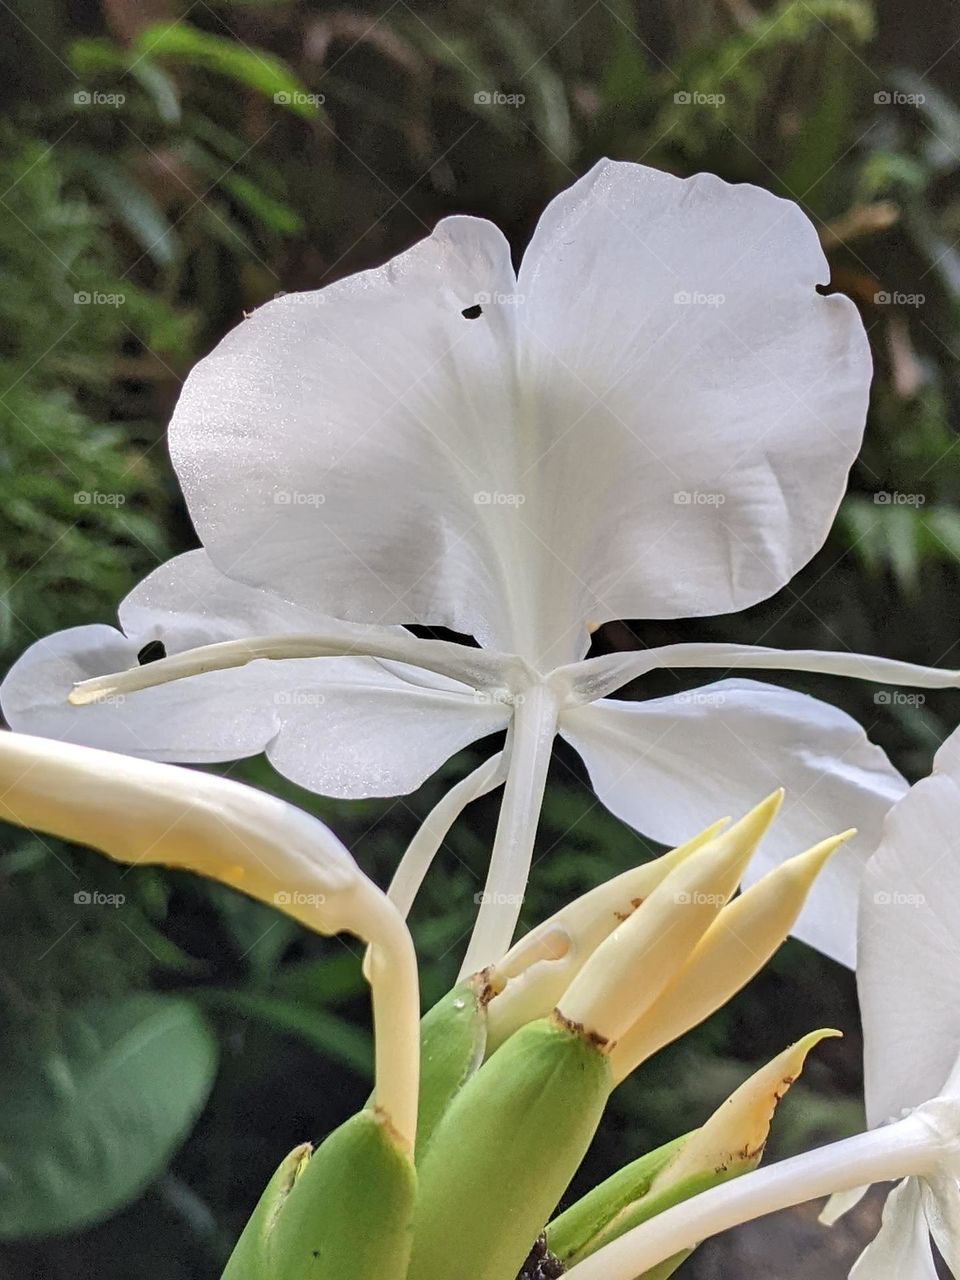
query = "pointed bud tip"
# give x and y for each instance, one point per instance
(808, 865)
(755, 822)
(733, 1139)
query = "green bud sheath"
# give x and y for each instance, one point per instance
(572, 1235)
(504, 1153)
(250, 1260)
(349, 1214)
(729, 1144)
(453, 1039)
(641, 1209)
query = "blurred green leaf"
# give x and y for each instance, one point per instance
(263, 72)
(88, 1123)
(325, 1032)
(133, 206)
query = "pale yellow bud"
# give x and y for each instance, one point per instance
(735, 947)
(627, 972)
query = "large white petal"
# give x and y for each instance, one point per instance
(338, 445)
(515, 475)
(901, 1249)
(346, 727)
(692, 454)
(671, 765)
(909, 972)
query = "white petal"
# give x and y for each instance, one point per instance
(909, 974)
(671, 765)
(333, 444)
(514, 475)
(188, 602)
(702, 447)
(841, 1202)
(941, 1206)
(346, 727)
(901, 1249)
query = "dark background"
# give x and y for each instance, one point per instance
(194, 159)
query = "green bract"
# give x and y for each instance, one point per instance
(344, 1213)
(453, 1038)
(504, 1152)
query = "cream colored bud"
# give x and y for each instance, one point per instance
(735, 947)
(627, 972)
(531, 978)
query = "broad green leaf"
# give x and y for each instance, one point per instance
(85, 1126)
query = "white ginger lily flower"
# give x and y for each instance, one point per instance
(655, 418)
(909, 983)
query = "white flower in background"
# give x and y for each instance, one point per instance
(909, 985)
(908, 975)
(653, 419)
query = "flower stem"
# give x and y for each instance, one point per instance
(896, 1151)
(425, 845)
(534, 729)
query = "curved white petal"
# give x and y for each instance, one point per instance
(347, 727)
(360, 423)
(901, 1249)
(670, 765)
(188, 602)
(909, 974)
(144, 812)
(522, 473)
(841, 1202)
(701, 402)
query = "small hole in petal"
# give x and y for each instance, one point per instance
(472, 313)
(153, 651)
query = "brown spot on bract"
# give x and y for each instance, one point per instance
(578, 1029)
